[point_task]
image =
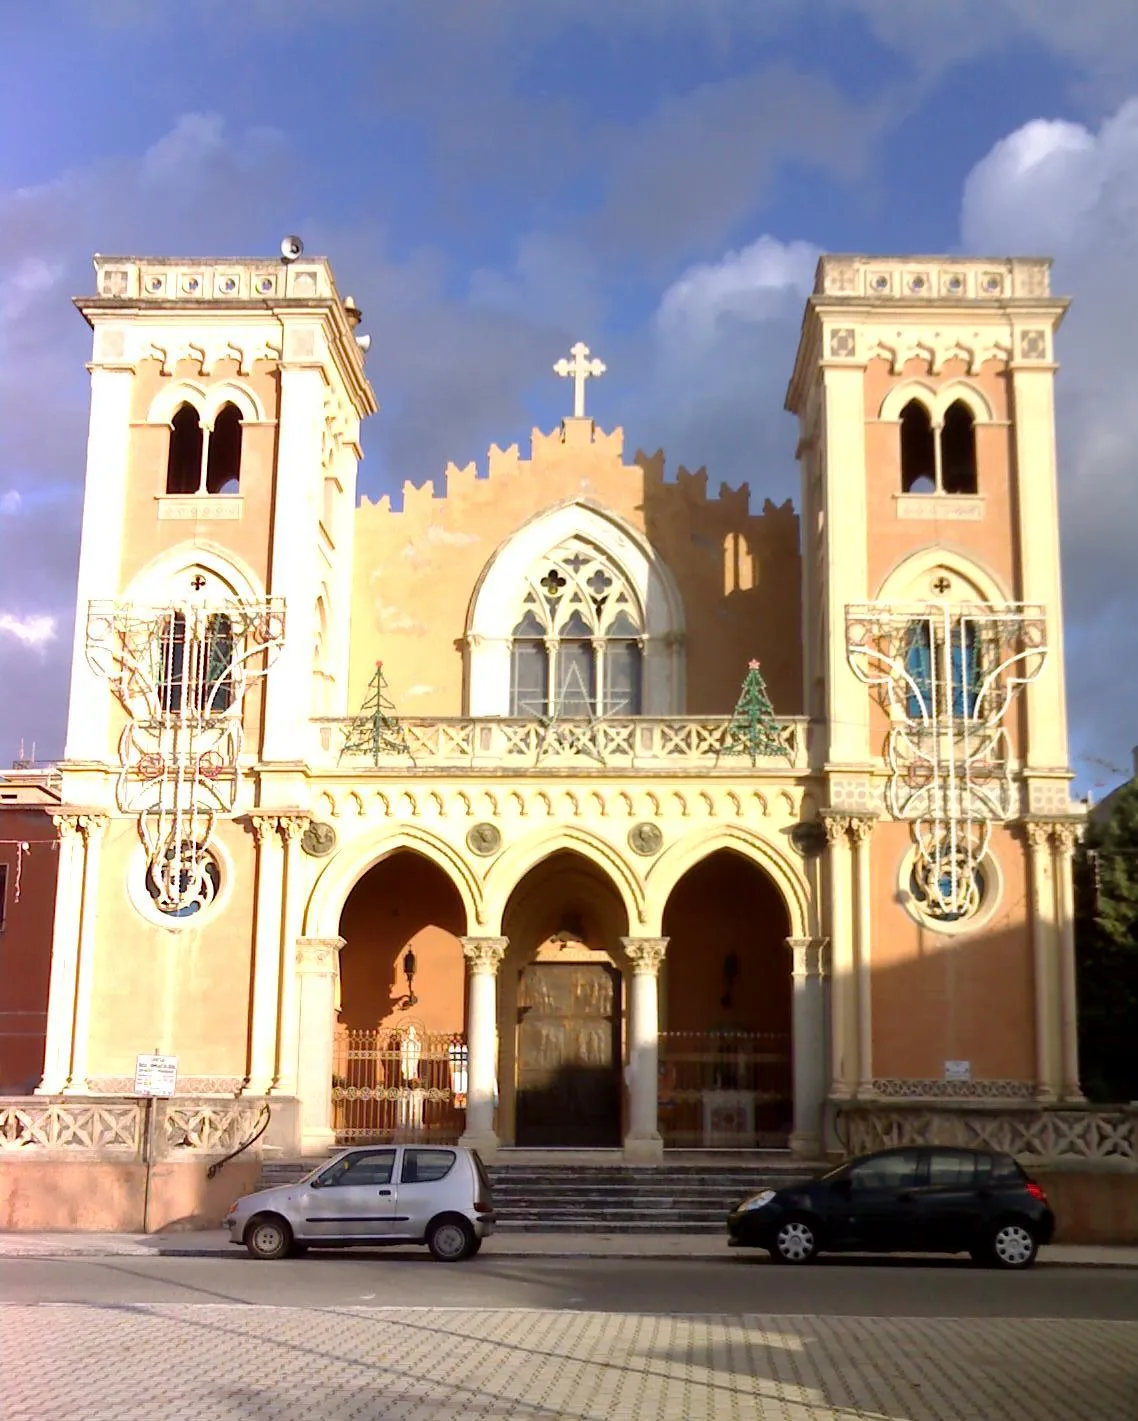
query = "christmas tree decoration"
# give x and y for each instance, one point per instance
(753, 729)
(376, 730)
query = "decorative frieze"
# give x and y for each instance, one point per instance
(503, 802)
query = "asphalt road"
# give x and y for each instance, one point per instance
(737, 1284)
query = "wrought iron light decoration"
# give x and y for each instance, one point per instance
(946, 675)
(181, 671)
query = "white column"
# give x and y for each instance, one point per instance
(64, 954)
(1064, 839)
(100, 555)
(861, 828)
(1033, 405)
(317, 963)
(843, 1049)
(292, 827)
(808, 1046)
(1043, 954)
(643, 1143)
(268, 932)
(93, 828)
(484, 954)
(846, 538)
(293, 574)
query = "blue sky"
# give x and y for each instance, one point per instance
(494, 179)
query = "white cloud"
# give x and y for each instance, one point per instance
(750, 284)
(10, 501)
(723, 341)
(1064, 190)
(36, 631)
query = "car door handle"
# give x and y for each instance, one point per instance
(385, 1193)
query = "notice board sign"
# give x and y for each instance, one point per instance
(156, 1075)
(958, 1070)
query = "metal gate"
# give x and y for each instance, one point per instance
(725, 1089)
(398, 1084)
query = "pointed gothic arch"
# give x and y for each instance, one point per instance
(497, 606)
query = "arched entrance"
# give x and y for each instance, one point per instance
(725, 1009)
(399, 1060)
(562, 1007)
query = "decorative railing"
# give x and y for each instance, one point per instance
(398, 1083)
(664, 744)
(724, 1089)
(1030, 1133)
(183, 1128)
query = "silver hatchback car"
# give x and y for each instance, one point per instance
(374, 1196)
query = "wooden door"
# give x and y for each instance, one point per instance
(568, 1073)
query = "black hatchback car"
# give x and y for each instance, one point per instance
(923, 1200)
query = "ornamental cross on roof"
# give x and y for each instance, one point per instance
(579, 369)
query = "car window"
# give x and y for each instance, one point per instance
(1000, 1169)
(893, 1171)
(425, 1166)
(368, 1167)
(952, 1168)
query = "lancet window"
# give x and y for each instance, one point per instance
(938, 458)
(204, 460)
(577, 644)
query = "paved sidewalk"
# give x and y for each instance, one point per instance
(677, 1247)
(222, 1362)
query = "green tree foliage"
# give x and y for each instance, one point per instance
(1106, 907)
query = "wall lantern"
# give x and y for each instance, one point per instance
(409, 968)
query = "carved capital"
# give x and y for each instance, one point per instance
(1037, 832)
(809, 957)
(265, 827)
(318, 956)
(1065, 837)
(862, 827)
(82, 824)
(292, 826)
(645, 953)
(837, 828)
(484, 954)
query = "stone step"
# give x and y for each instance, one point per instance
(595, 1226)
(610, 1197)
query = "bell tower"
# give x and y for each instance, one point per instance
(226, 400)
(933, 621)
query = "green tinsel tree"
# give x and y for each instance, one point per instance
(753, 729)
(376, 730)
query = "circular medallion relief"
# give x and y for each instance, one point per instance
(484, 839)
(318, 839)
(645, 838)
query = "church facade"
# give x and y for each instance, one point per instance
(567, 804)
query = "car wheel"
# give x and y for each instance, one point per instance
(268, 1237)
(1012, 1245)
(475, 1246)
(451, 1240)
(796, 1241)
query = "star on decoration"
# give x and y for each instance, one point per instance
(576, 734)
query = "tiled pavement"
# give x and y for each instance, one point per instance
(225, 1363)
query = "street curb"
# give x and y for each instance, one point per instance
(560, 1255)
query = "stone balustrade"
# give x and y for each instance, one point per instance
(664, 745)
(183, 1128)
(1068, 1135)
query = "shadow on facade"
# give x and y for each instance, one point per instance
(739, 575)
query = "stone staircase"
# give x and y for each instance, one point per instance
(593, 1194)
